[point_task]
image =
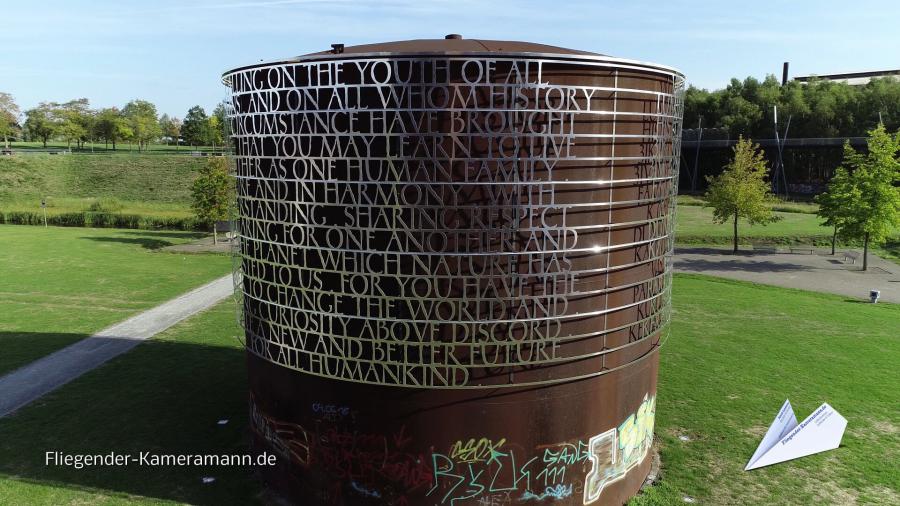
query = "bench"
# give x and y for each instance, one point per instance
(808, 250)
(224, 227)
(851, 255)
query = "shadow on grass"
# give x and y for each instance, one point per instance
(702, 265)
(22, 348)
(162, 397)
(144, 242)
(172, 234)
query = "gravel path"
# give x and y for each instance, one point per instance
(817, 271)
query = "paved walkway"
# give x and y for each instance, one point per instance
(44, 375)
(819, 271)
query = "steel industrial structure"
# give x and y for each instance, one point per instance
(456, 268)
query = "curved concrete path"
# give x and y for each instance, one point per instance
(819, 271)
(24, 385)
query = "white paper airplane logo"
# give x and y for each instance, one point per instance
(788, 440)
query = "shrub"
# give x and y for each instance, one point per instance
(106, 205)
(100, 220)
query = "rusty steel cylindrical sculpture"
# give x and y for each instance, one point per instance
(456, 269)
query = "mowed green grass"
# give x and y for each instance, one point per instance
(695, 224)
(128, 177)
(58, 285)
(165, 397)
(737, 351)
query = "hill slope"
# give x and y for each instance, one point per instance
(139, 178)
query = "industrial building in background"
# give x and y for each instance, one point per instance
(455, 268)
(851, 78)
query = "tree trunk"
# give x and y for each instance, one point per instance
(6, 141)
(215, 235)
(45, 143)
(735, 233)
(106, 144)
(833, 239)
(866, 252)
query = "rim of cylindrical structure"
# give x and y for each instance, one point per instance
(500, 55)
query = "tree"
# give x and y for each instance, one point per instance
(73, 119)
(215, 131)
(9, 117)
(832, 209)
(818, 108)
(221, 127)
(212, 193)
(741, 190)
(170, 128)
(111, 126)
(40, 122)
(865, 187)
(142, 119)
(195, 129)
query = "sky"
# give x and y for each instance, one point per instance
(173, 52)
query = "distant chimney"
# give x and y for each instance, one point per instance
(784, 73)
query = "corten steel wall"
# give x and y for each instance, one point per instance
(456, 272)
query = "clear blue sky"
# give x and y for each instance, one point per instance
(173, 52)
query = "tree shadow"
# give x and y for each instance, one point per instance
(162, 397)
(169, 233)
(144, 242)
(702, 265)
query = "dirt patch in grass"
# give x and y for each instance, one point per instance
(825, 489)
(885, 427)
(757, 431)
(879, 494)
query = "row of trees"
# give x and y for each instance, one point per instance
(138, 122)
(818, 109)
(862, 202)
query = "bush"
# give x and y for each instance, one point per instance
(106, 205)
(100, 220)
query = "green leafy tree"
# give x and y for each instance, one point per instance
(195, 129)
(73, 120)
(111, 126)
(40, 122)
(212, 193)
(866, 188)
(170, 128)
(9, 117)
(832, 209)
(219, 125)
(819, 108)
(143, 121)
(215, 131)
(741, 190)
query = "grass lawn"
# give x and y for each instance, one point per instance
(737, 351)
(58, 285)
(128, 177)
(166, 397)
(694, 224)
